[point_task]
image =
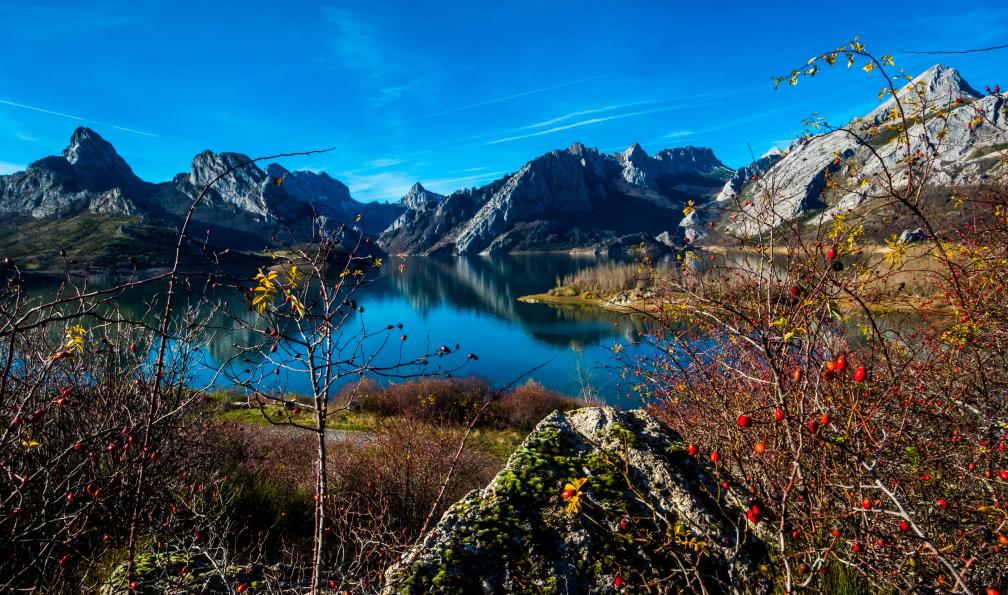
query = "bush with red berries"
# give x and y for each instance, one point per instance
(868, 425)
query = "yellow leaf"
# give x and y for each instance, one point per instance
(869, 67)
(75, 339)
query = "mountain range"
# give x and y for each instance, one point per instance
(577, 198)
(90, 190)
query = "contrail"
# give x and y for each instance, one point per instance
(44, 111)
(72, 117)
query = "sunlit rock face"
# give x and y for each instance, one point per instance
(573, 199)
(794, 188)
(236, 195)
(78, 180)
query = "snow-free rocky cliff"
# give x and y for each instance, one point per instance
(797, 180)
(244, 208)
(642, 490)
(89, 175)
(578, 198)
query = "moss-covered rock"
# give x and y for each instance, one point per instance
(649, 514)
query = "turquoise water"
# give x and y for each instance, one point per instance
(470, 302)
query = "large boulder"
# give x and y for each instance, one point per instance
(650, 515)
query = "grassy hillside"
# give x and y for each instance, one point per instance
(92, 242)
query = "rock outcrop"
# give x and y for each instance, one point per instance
(647, 515)
(573, 199)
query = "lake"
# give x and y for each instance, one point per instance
(470, 302)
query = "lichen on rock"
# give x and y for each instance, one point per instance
(650, 515)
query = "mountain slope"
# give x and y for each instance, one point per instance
(965, 154)
(246, 209)
(576, 198)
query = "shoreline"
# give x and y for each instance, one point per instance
(906, 304)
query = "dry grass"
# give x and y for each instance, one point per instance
(454, 401)
(607, 278)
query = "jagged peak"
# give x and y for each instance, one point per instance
(419, 198)
(945, 78)
(96, 163)
(635, 151)
(87, 145)
(940, 84)
(577, 148)
(772, 152)
(219, 161)
(276, 170)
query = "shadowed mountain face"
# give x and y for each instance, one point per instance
(244, 209)
(578, 198)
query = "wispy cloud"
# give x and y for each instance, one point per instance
(680, 134)
(9, 168)
(354, 41)
(449, 184)
(25, 137)
(358, 42)
(590, 122)
(386, 185)
(607, 108)
(460, 108)
(71, 117)
(384, 162)
(39, 21)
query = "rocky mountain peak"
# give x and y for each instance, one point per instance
(208, 165)
(419, 198)
(690, 158)
(944, 81)
(940, 84)
(96, 164)
(635, 153)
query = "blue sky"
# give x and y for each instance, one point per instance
(452, 94)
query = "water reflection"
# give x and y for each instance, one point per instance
(493, 286)
(465, 301)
